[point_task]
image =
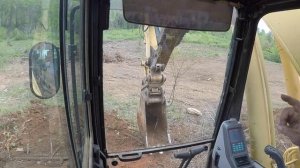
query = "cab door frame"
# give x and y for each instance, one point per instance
(86, 157)
(96, 21)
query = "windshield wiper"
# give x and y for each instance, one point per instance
(187, 156)
(157, 149)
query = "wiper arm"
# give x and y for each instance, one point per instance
(187, 156)
(160, 148)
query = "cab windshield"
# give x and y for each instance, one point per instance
(162, 86)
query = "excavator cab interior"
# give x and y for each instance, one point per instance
(170, 92)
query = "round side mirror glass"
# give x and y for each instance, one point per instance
(44, 70)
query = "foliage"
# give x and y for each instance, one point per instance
(217, 39)
(23, 19)
(54, 16)
(122, 34)
(2, 33)
(20, 19)
(117, 21)
(268, 46)
(14, 98)
(23, 23)
(123, 107)
(19, 35)
(23, 15)
(13, 49)
(19, 97)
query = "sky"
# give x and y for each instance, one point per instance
(262, 25)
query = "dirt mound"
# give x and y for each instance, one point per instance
(30, 135)
(113, 57)
(121, 133)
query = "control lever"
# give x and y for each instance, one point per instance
(275, 155)
(187, 156)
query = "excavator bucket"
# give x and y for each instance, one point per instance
(152, 122)
(151, 116)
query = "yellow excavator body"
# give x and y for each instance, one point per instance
(260, 112)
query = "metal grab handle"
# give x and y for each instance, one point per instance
(275, 155)
(187, 156)
(130, 157)
(190, 153)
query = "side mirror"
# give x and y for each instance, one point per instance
(44, 70)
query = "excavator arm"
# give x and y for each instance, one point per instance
(151, 116)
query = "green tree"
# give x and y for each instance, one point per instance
(20, 16)
(268, 46)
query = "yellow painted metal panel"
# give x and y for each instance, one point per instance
(147, 40)
(260, 114)
(35, 86)
(285, 27)
(150, 39)
(291, 157)
(291, 76)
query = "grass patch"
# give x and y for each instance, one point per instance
(211, 43)
(194, 44)
(268, 45)
(55, 101)
(19, 45)
(13, 49)
(216, 39)
(188, 50)
(175, 112)
(125, 108)
(18, 97)
(122, 34)
(271, 54)
(15, 98)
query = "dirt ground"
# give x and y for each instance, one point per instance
(199, 85)
(33, 138)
